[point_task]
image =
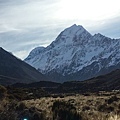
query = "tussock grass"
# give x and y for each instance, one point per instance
(91, 107)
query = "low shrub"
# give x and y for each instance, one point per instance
(64, 111)
(3, 92)
(105, 108)
(85, 108)
(112, 99)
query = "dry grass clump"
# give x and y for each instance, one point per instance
(114, 117)
(64, 111)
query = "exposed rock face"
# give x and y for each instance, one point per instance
(76, 55)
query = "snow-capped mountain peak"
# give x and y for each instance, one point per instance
(74, 29)
(74, 35)
(36, 51)
(75, 51)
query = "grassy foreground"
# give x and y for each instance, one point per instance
(20, 104)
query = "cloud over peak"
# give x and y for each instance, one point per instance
(27, 24)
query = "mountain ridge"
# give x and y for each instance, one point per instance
(75, 53)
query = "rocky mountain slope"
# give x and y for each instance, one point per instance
(13, 70)
(76, 55)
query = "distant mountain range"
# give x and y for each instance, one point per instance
(106, 82)
(76, 55)
(14, 70)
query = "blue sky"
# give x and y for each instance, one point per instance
(26, 24)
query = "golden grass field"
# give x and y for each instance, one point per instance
(102, 106)
(90, 106)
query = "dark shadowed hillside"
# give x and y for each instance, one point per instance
(106, 82)
(14, 70)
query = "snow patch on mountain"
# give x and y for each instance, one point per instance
(74, 49)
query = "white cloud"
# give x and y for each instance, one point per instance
(21, 54)
(88, 9)
(27, 24)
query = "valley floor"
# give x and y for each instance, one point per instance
(87, 106)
